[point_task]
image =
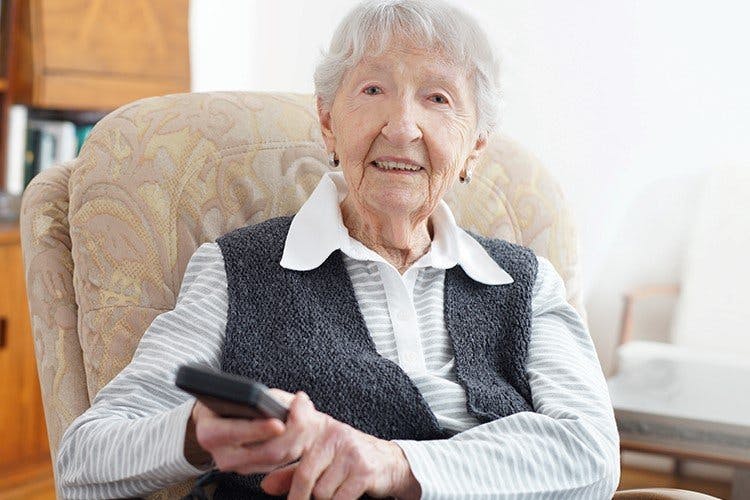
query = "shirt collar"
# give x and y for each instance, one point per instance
(318, 230)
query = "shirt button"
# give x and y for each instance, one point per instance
(410, 357)
(403, 315)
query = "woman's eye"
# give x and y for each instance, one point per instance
(373, 90)
(439, 99)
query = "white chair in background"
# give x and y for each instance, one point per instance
(690, 397)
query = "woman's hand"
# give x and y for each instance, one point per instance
(225, 440)
(336, 460)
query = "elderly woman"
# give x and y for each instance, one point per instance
(424, 361)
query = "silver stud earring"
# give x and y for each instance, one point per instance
(333, 160)
(465, 178)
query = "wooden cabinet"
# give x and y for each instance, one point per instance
(23, 444)
(100, 54)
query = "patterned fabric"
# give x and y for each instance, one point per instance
(106, 237)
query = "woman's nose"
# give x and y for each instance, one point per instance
(402, 128)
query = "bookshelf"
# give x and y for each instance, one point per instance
(65, 61)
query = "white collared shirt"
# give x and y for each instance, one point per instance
(130, 442)
(318, 229)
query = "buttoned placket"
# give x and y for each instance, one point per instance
(399, 290)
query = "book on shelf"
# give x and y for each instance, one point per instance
(31, 159)
(64, 139)
(35, 145)
(15, 150)
(82, 131)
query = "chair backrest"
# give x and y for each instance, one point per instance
(713, 311)
(107, 237)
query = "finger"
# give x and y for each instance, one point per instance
(331, 479)
(283, 396)
(278, 481)
(303, 425)
(219, 432)
(351, 489)
(234, 459)
(202, 411)
(314, 463)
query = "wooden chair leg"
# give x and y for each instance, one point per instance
(678, 469)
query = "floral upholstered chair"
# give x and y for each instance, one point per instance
(107, 236)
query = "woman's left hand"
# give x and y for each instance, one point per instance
(335, 459)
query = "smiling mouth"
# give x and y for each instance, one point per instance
(394, 165)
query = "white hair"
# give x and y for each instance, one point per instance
(372, 25)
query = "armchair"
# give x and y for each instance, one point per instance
(713, 306)
(687, 397)
(107, 236)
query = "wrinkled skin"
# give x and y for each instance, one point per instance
(410, 104)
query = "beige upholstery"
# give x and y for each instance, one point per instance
(106, 237)
(661, 494)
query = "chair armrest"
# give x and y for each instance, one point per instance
(660, 494)
(638, 293)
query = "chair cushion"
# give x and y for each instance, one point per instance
(655, 378)
(631, 355)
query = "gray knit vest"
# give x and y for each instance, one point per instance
(303, 330)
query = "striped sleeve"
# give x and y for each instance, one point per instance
(567, 448)
(130, 442)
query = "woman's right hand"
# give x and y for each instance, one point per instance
(211, 437)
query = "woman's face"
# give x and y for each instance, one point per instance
(403, 125)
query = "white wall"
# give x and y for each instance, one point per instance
(628, 103)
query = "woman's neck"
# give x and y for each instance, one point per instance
(398, 238)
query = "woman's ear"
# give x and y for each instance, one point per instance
(478, 149)
(324, 116)
(476, 152)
